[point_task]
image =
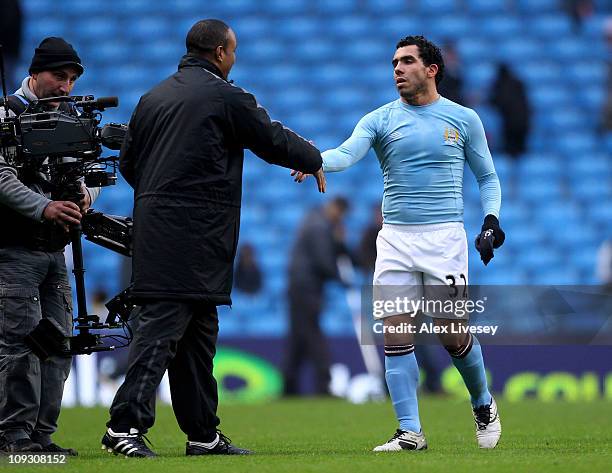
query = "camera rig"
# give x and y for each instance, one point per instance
(61, 139)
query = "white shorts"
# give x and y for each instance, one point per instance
(412, 257)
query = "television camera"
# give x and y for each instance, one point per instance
(61, 138)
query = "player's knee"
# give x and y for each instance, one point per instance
(459, 348)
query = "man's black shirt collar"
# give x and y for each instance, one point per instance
(189, 60)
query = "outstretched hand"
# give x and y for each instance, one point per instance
(299, 176)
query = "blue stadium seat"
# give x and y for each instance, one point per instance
(540, 166)
(552, 26)
(593, 26)
(505, 166)
(287, 8)
(537, 256)
(296, 97)
(44, 27)
(225, 10)
(593, 99)
(162, 52)
(473, 50)
(260, 52)
(500, 26)
(367, 50)
(437, 6)
(252, 28)
(575, 145)
(546, 96)
(558, 213)
(561, 118)
(39, 9)
(587, 73)
(538, 190)
(274, 74)
(350, 27)
(568, 48)
(94, 28)
(486, 7)
(400, 25)
(137, 7)
(340, 7)
(386, 7)
(536, 7)
(600, 213)
(556, 275)
(540, 72)
(315, 50)
(298, 29)
(341, 99)
(111, 52)
(571, 235)
(517, 49)
(593, 190)
(479, 76)
(449, 27)
(584, 258)
(594, 166)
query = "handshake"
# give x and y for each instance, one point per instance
(299, 176)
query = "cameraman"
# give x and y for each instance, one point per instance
(183, 156)
(33, 278)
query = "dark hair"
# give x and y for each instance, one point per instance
(205, 36)
(429, 53)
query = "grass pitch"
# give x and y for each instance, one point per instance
(322, 435)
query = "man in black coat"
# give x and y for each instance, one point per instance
(314, 261)
(183, 156)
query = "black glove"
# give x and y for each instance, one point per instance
(491, 236)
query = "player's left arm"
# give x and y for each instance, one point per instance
(480, 161)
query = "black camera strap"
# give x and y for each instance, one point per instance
(16, 105)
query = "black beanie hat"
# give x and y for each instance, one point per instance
(53, 53)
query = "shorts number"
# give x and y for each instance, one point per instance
(453, 285)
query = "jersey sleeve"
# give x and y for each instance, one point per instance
(480, 161)
(355, 148)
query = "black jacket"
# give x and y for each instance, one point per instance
(183, 156)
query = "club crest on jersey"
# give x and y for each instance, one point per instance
(451, 136)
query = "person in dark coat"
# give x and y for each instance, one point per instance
(247, 277)
(183, 155)
(508, 95)
(451, 85)
(314, 261)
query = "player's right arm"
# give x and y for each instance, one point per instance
(348, 153)
(355, 148)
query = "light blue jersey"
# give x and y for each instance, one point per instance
(422, 150)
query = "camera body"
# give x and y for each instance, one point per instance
(66, 144)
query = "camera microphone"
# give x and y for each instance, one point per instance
(108, 102)
(98, 104)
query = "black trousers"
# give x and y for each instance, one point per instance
(305, 340)
(180, 337)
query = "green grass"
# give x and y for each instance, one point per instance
(331, 436)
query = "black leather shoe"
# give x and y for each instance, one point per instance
(55, 448)
(223, 447)
(20, 446)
